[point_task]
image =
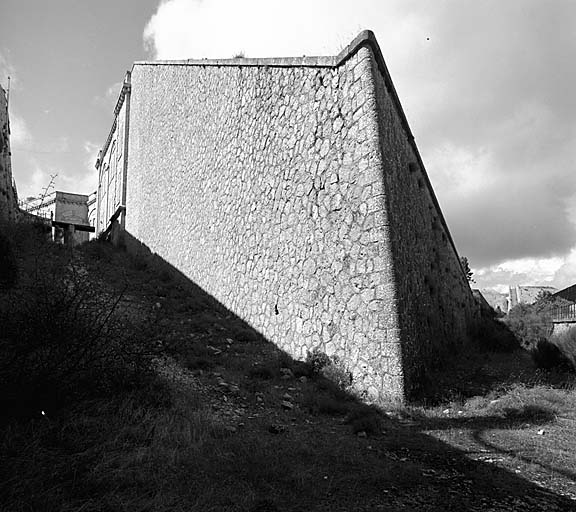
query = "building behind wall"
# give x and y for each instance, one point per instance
(291, 190)
(527, 294)
(8, 194)
(66, 213)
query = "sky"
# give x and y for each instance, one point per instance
(487, 87)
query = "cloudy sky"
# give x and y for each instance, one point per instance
(487, 86)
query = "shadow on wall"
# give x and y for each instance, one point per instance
(401, 464)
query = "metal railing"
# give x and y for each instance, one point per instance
(564, 313)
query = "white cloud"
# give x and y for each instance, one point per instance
(19, 133)
(107, 100)
(7, 69)
(35, 181)
(91, 150)
(183, 29)
(559, 272)
(78, 184)
(462, 171)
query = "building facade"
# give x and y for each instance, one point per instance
(66, 213)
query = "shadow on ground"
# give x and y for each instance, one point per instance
(297, 443)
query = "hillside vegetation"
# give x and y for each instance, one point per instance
(124, 387)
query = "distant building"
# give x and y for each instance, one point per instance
(527, 294)
(8, 195)
(67, 213)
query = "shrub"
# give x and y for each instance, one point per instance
(331, 369)
(336, 372)
(530, 323)
(64, 337)
(317, 360)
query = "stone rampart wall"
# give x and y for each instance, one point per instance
(8, 195)
(434, 299)
(286, 192)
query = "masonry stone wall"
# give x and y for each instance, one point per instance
(434, 299)
(287, 190)
(8, 195)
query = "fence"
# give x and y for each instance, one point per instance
(564, 313)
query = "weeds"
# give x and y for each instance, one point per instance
(64, 338)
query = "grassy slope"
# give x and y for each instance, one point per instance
(245, 434)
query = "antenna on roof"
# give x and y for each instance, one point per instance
(46, 189)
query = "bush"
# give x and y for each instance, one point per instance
(531, 323)
(64, 337)
(529, 327)
(317, 360)
(330, 368)
(336, 372)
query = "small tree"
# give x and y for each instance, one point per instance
(532, 323)
(466, 267)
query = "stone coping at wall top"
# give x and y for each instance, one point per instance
(60, 193)
(365, 37)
